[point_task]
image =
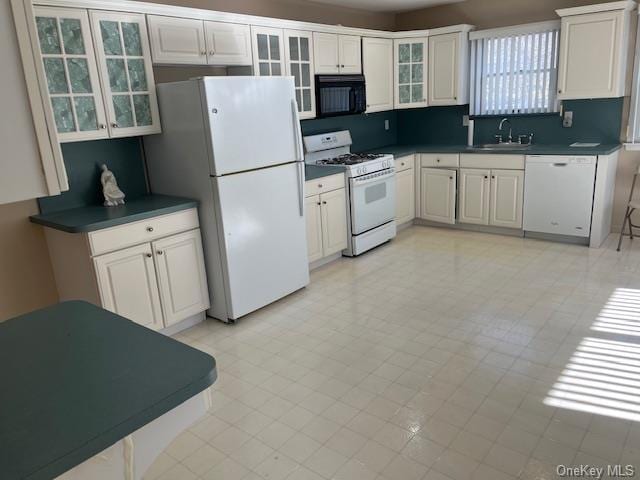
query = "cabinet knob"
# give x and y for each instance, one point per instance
(338, 66)
(149, 229)
(319, 203)
(559, 91)
(149, 255)
(486, 176)
(493, 176)
(319, 185)
(212, 52)
(402, 164)
(159, 252)
(450, 178)
(114, 125)
(102, 126)
(203, 53)
(341, 66)
(438, 160)
(324, 203)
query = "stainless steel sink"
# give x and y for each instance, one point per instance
(502, 146)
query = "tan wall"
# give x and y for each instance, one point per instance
(26, 277)
(486, 13)
(295, 10)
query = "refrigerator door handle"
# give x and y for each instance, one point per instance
(299, 155)
(296, 131)
(301, 187)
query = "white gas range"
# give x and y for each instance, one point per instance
(371, 203)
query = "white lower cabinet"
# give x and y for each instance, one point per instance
(507, 194)
(182, 279)
(473, 206)
(491, 197)
(438, 195)
(326, 217)
(405, 190)
(150, 271)
(127, 284)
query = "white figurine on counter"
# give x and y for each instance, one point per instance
(113, 196)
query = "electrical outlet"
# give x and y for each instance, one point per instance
(465, 120)
(567, 119)
(386, 124)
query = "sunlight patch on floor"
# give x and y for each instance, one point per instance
(603, 374)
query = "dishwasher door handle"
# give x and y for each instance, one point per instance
(559, 164)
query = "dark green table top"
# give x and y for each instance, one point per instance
(97, 217)
(399, 150)
(311, 172)
(76, 379)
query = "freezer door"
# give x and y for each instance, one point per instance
(264, 245)
(253, 123)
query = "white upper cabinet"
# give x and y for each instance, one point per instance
(69, 62)
(124, 62)
(228, 43)
(268, 51)
(350, 54)
(410, 73)
(335, 53)
(196, 42)
(299, 64)
(177, 40)
(593, 53)
(377, 63)
(448, 69)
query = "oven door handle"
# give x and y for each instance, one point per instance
(382, 178)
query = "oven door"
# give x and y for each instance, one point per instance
(373, 200)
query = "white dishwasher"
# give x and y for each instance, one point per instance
(558, 194)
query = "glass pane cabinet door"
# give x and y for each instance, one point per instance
(125, 67)
(299, 65)
(69, 64)
(410, 73)
(268, 59)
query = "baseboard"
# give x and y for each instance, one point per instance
(183, 324)
(513, 232)
(324, 261)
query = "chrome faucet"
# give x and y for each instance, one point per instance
(502, 122)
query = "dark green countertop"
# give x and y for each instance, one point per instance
(97, 217)
(76, 379)
(311, 172)
(399, 150)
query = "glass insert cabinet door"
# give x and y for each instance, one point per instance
(70, 72)
(268, 57)
(410, 73)
(124, 60)
(299, 64)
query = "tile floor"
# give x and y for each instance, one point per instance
(445, 355)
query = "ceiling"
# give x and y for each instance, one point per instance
(387, 5)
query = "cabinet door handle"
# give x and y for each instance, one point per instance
(324, 203)
(159, 252)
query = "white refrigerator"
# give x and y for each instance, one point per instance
(235, 144)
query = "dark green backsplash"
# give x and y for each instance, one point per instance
(436, 125)
(83, 160)
(597, 120)
(367, 131)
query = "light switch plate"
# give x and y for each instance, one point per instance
(386, 124)
(465, 120)
(567, 119)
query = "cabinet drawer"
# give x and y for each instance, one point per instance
(134, 233)
(440, 160)
(404, 163)
(501, 161)
(324, 184)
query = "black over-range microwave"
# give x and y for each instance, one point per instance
(340, 95)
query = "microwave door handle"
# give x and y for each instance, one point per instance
(297, 138)
(352, 99)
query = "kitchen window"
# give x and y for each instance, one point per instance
(514, 70)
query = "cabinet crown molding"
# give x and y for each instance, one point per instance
(626, 5)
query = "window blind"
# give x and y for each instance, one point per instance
(633, 129)
(515, 70)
